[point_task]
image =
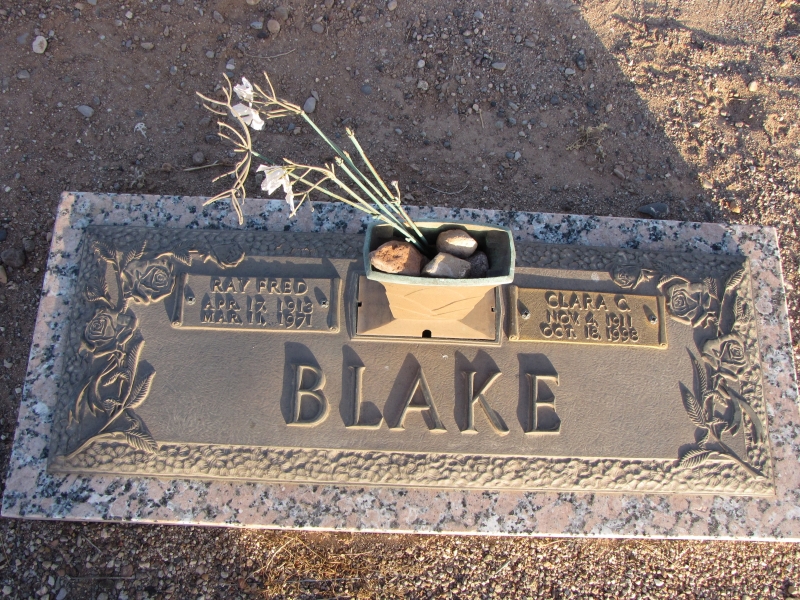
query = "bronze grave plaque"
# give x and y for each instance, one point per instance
(255, 355)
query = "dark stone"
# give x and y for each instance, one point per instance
(13, 257)
(3, 234)
(212, 138)
(658, 210)
(554, 99)
(366, 89)
(479, 264)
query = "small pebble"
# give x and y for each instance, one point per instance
(218, 17)
(198, 158)
(619, 173)
(499, 66)
(273, 26)
(309, 105)
(3, 234)
(422, 85)
(253, 2)
(86, 111)
(210, 54)
(14, 257)
(420, 64)
(24, 74)
(569, 71)
(366, 89)
(28, 245)
(147, 45)
(39, 44)
(753, 87)
(281, 13)
(580, 61)
(318, 28)
(165, 8)
(478, 15)
(257, 25)
(554, 99)
(391, 5)
(3, 280)
(658, 210)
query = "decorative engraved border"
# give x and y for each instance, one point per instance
(437, 470)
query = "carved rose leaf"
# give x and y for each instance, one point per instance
(726, 355)
(694, 457)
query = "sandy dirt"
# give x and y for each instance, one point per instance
(595, 107)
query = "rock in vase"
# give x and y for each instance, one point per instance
(397, 257)
(448, 266)
(456, 242)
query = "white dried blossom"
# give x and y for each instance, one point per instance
(275, 177)
(244, 90)
(249, 116)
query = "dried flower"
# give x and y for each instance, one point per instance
(248, 116)
(244, 90)
(276, 177)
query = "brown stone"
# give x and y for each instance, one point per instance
(447, 265)
(456, 242)
(397, 257)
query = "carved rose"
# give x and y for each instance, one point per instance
(105, 329)
(149, 282)
(690, 302)
(726, 355)
(625, 276)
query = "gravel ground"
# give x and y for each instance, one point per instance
(594, 107)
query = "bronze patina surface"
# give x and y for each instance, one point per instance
(244, 355)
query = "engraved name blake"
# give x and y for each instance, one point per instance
(310, 407)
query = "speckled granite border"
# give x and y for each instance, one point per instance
(32, 493)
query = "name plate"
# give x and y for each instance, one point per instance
(582, 317)
(260, 303)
